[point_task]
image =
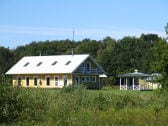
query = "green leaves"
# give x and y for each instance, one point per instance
(166, 28)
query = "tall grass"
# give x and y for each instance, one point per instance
(76, 106)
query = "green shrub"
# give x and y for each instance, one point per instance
(8, 107)
(110, 81)
(72, 88)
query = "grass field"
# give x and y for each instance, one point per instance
(77, 106)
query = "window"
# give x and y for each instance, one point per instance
(93, 78)
(39, 63)
(35, 81)
(86, 79)
(83, 79)
(54, 63)
(76, 80)
(27, 81)
(56, 80)
(26, 64)
(65, 80)
(19, 81)
(82, 65)
(68, 63)
(87, 66)
(47, 81)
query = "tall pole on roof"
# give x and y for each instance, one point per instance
(72, 51)
(73, 35)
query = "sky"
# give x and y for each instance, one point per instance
(24, 21)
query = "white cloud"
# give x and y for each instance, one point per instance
(33, 30)
(92, 33)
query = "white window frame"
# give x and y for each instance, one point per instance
(94, 78)
(65, 78)
(47, 81)
(34, 81)
(84, 79)
(56, 81)
(87, 78)
(89, 65)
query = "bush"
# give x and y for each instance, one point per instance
(8, 107)
(20, 105)
(72, 88)
(110, 81)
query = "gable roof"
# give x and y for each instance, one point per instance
(47, 64)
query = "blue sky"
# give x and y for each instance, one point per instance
(24, 21)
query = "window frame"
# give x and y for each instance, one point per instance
(94, 78)
(19, 81)
(56, 81)
(27, 78)
(39, 64)
(54, 63)
(87, 66)
(68, 62)
(35, 84)
(84, 79)
(47, 81)
(26, 64)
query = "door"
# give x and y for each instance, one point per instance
(65, 80)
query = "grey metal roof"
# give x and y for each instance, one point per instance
(135, 74)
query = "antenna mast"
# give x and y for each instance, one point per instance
(72, 50)
(73, 35)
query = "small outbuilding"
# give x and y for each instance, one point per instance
(136, 81)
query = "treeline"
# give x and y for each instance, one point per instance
(148, 53)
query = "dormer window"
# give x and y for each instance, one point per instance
(54, 63)
(39, 63)
(68, 63)
(26, 64)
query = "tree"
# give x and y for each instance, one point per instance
(150, 38)
(166, 28)
(6, 59)
(107, 56)
(134, 53)
(160, 62)
(88, 46)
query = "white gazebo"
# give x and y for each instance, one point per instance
(135, 81)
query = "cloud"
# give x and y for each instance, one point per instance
(33, 30)
(92, 33)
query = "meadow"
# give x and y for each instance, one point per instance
(77, 106)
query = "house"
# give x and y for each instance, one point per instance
(137, 81)
(57, 71)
